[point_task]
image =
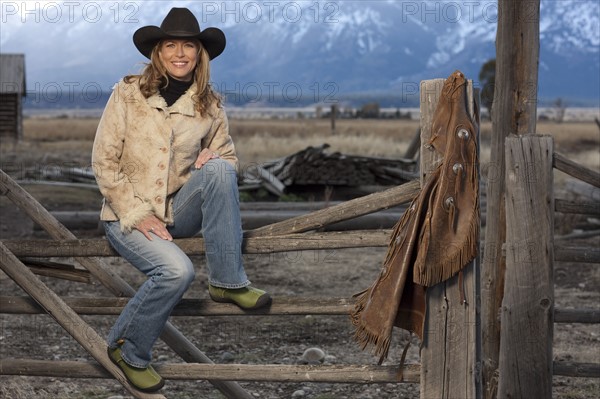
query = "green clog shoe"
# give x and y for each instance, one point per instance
(246, 298)
(144, 379)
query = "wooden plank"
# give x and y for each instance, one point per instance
(572, 369)
(587, 316)
(281, 306)
(576, 170)
(351, 374)
(528, 304)
(514, 112)
(43, 267)
(90, 220)
(195, 246)
(450, 354)
(345, 211)
(65, 316)
(591, 208)
(110, 279)
(571, 253)
(574, 253)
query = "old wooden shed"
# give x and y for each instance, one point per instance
(12, 91)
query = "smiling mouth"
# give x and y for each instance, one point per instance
(179, 64)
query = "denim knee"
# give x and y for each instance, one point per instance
(176, 275)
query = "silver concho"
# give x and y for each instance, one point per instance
(463, 134)
(457, 167)
(449, 201)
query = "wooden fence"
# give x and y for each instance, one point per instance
(450, 364)
(283, 236)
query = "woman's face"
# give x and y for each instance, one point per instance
(179, 57)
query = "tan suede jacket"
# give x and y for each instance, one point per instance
(144, 151)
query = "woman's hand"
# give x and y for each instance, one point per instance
(205, 156)
(152, 224)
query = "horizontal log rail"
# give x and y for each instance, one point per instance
(282, 306)
(580, 207)
(572, 369)
(565, 253)
(387, 218)
(585, 316)
(189, 306)
(579, 254)
(576, 170)
(195, 246)
(352, 374)
(260, 245)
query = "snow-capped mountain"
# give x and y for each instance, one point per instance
(307, 51)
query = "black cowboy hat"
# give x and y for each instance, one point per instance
(179, 23)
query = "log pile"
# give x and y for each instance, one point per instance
(314, 166)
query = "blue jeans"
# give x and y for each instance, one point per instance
(207, 202)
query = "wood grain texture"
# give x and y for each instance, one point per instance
(514, 111)
(450, 355)
(527, 311)
(352, 374)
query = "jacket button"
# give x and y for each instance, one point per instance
(163, 149)
(159, 183)
(161, 166)
(158, 200)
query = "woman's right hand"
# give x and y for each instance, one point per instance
(152, 224)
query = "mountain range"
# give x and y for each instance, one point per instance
(302, 52)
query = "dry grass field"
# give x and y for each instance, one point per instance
(261, 140)
(262, 340)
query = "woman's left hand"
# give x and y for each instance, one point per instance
(152, 224)
(205, 156)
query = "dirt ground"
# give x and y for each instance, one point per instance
(259, 339)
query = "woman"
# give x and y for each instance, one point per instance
(166, 166)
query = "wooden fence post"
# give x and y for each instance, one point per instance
(526, 324)
(514, 111)
(450, 357)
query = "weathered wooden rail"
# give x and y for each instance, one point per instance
(260, 245)
(357, 374)
(282, 306)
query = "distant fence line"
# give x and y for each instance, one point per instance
(578, 114)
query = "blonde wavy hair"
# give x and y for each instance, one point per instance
(155, 74)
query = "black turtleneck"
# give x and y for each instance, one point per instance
(174, 90)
